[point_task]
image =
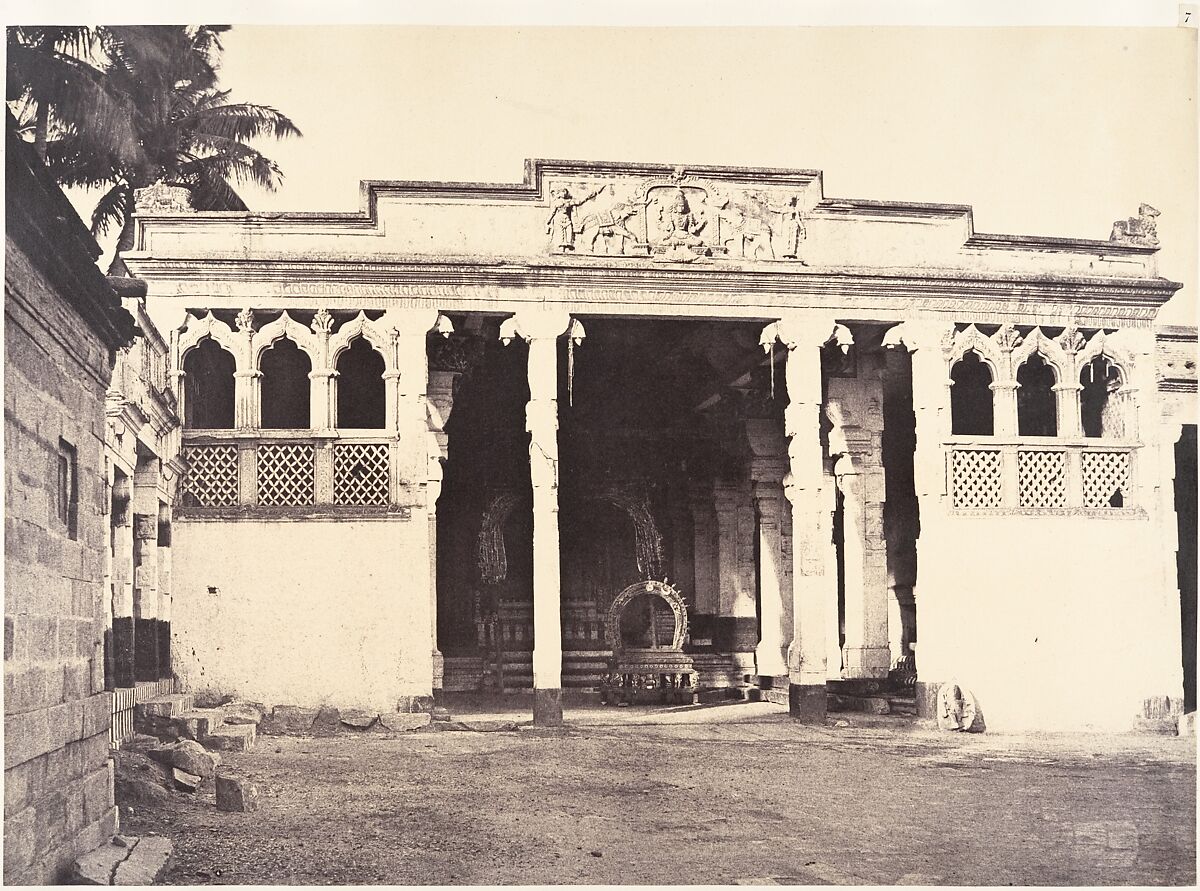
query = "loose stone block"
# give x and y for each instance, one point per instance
(289, 719)
(236, 794)
(401, 721)
(327, 720)
(184, 781)
(358, 718)
(187, 755)
(147, 862)
(239, 712)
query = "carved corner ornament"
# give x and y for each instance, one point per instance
(1139, 230)
(161, 197)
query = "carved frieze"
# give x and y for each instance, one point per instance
(676, 218)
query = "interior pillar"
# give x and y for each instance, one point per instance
(769, 656)
(541, 328)
(704, 550)
(736, 626)
(855, 409)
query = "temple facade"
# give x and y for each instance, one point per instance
(448, 441)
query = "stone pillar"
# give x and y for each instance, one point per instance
(541, 328)
(931, 407)
(145, 596)
(440, 403)
(322, 407)
(246, 384)
(704, 556)
(736, 629)
(814, 575)
(855, 408)
(414, 480)
(165, 591)
(122, 674)
(768, 460)
(770, 655)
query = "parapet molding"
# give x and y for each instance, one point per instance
(533, 189)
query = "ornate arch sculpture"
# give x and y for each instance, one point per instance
(361, 326)
(285, 326)
(662, 590)
(196, 330)
(493, 560)
(972, 339)
(1036, 341)
(1109, 346)
(647, 538)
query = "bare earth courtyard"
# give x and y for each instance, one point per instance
(722, 794)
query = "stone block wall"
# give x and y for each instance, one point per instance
(58, 789)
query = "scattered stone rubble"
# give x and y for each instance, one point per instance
(235, 793)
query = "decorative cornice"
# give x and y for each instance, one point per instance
(418, 275)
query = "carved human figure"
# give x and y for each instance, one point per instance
(791, 227)
(678, 224)
(560, 225)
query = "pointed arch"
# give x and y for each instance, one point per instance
(196, 330)
(971, 339)
(360, 326)
(285, 326)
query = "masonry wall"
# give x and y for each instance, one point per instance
(1053, 623)
(58, 787)
(305, 612)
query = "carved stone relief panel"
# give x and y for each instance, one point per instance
(676, 218)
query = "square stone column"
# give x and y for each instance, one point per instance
(855, 409)
(737, 623)
(704, 556)
(541, 328)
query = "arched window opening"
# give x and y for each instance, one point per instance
(284, 393)
(360, 390)
(1037, 410)
(971, 411)
(208, 387)
(1100, 409)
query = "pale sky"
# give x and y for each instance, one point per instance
(1045, 131)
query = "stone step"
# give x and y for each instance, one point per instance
(170, 705)
(231, 738)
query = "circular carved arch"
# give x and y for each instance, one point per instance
(673, 599)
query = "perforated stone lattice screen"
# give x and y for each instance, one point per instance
(976, 478)
(1104, 474)
(1042, 478)
(212, 475)
(285, 474)
(360, 473)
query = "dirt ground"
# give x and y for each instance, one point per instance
(729, 794)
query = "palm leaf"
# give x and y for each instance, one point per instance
(110, 209)
(242, 121)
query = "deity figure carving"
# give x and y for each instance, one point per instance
(1141, 229)
(560, 225)
(679, 226)
(791, 226)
